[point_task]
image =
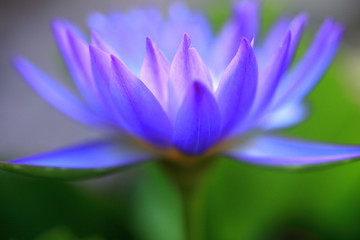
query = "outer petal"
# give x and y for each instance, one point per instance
(197, 125)
(54, 93)
(296, 29)
(155, 72)
(286, 116)
(243, 25)
(247, 14)
(99, 42)
(272, 150)
(76, 55)
(273, 37)
(237, 87)
(312, 66)
(186, 67)
(140, 112)
(269, 76)
(277, 33)
(88, 160)
(101, 62)
(115, 29)
(181, 20)
(268, 81)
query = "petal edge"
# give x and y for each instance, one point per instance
(278, 151)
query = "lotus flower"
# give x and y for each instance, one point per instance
(171, 89)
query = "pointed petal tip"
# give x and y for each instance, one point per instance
(56, 23)
(186, 40)
(59, 25)
(95, 51)
(329, 21)
(247, 41)
(244, 40)
(303, 17)
(20, 63)
(16, 58)
(148, 40)
(198, 86)
(245, 45)
(239, 5)
(114, 58)
(149, 44)
(252, 41)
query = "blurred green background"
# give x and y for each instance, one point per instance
(238, 201)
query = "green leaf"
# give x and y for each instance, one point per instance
(60, 173)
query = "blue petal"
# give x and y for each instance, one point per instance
(277, 33)
(141, 114)
(99, 42)
(270, 75)
(54, 93)
(268, 81)
(296, 29)
(76, 55)
(83, 161)
(182, 20)
(155, 72)
(312, 66)
(243, 24)
(236, 91)
(197, 124)
(273, 38)
(272, 150)
(247, 14)
(286, 116)
(116, 28)
(186, 67)
(100, 62)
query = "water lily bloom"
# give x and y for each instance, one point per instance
(169, 88)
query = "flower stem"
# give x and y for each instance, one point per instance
(190, 213)
(190, 181)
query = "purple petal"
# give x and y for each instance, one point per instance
(186, 67)
(155, 72)
(181, 20)
(101, 69)
(273, 38)
(54, 93)
(99, 42)
(141, 114)
(236, 91)
(115, 29)
(269, 76)
(76, 55)
(243, 24)
(268, 80)
(247, 14)
(286, 116)
(277, 33)
(313, 65)
(272, 150)
(197, 124)
(296, 28)
(87, 160)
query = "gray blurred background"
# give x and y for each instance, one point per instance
(28, 124)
